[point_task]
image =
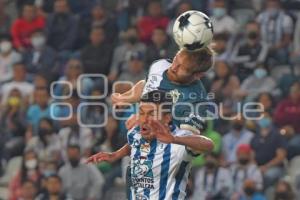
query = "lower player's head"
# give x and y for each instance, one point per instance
(155, 105)
(189, 66)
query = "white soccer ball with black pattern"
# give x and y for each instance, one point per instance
(192, 30)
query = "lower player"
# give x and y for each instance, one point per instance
(160, 152)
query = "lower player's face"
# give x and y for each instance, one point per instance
(148, 112)
(180, 70)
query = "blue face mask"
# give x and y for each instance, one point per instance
(264, 122)
(219, 12)
(273, 12)
(260, 73)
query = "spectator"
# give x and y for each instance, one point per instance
(245, 169)
(100, 17)
(296, 43)
(212, 181)
(250, 192)
(13, 125)
(293, 138)
(41, 81)
(154, 19)
(208, 131)
(249, 54)
(96, 56)
(40, 58)
(73, 70)
(287, 111)
(29, 171)
(221, 44)
(237, 135)
(134, 71)
(270, 150)
(19, 82)
(267, 101)
(61, 27)
(276, 30)
(224, 83)
(46, 143)
(73, 134)
(284, 191)
(29, 190)
(222, 22)
(54, 190)
(40, 109)
(8, 57)
(5, 19)
(122, 52)
(159, 47)
(24, 26)
(256, 83)
(81, 181)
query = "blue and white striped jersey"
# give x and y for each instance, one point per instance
(159, 171)
(186, 97)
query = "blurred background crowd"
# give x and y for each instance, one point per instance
(257, 45)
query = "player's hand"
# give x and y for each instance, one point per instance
(100, 157)
(131, 121)
(161, 132)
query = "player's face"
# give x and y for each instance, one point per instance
(148, 112)
(181, 70)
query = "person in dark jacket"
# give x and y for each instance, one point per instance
(96, 56)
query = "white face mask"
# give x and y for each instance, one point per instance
(31, 164)
(5, 46)
(38, 41)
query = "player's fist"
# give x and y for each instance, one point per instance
(194, 123)
(102, 156)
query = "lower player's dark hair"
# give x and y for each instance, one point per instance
(159, 97)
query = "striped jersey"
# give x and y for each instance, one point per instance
(159, 171)
(186, 97)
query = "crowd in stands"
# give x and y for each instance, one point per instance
(54, 53)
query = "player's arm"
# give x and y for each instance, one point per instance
(196, 143)
(131, 96)
(110, 156)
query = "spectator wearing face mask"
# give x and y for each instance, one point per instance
(284, 191)
(24, 26)
(276, 30)
(236, 136)
(212, 181)
(81, 181)
(249, 54)
(41, 57)
(29, 171)
(54, 190)
(255, 84)
(47, 142)
(122, 52)
(250, 192)
(8, 57)
(245, 169)
(222, 22)
(270, 150)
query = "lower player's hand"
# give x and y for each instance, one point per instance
(101, 156)
(131, 121)
(161, 132)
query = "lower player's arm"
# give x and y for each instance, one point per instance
(197, 143)
(122, 152)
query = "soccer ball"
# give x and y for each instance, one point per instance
(192, 30)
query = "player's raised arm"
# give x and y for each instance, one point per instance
(131, 96)
(197, 143)
(110, 156)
